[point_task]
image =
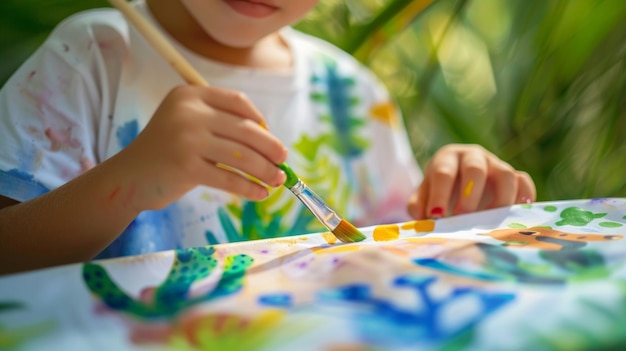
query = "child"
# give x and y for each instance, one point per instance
(104, 151)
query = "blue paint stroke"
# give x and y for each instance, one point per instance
(20, 185)
(280, 300)
(379, 322)
(127, 133)
(150, 231)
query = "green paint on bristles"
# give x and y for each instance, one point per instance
(348, 233)
(292, 178)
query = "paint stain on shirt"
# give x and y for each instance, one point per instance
(127, 133)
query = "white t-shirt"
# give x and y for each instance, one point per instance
(94, 84)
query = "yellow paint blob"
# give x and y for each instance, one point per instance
(425, 241)
(468, 188)
(329, 237)
(335, 249)
(386, 232)
(426, 225)
(237, 155)
(386, 113)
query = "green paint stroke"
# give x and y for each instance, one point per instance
(610, 224)
(550, 208)
(11, 339)
(516, 225)
(292, 178)
(577, 217)
(174, 294)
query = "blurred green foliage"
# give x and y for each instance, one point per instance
(541, 83)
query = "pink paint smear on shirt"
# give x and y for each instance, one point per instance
(61, 138)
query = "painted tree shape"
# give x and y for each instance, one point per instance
(174, 294)
(578, 217)
(263, 219)
(333, 95)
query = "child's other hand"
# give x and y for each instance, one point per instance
(193, 130)
(466, 178)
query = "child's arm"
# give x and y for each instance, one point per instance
(193, 130)
(466, 178)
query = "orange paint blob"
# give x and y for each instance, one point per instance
(426, 225)
(386, 232)
(237, 155)
(385, 113)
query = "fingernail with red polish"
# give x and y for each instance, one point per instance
(436, 212)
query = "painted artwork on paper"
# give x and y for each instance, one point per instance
(536, 276)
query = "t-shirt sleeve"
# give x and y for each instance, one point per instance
(50, 112)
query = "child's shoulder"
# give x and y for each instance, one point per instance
(89, 21)
(342, 60)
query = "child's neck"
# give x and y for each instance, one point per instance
(270, 53)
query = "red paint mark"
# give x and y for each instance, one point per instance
(42, 97)
(31, 74)
(61, 138)
(103, 45)
(220, 323)
(436, 212)
(147, 295)
(114, 193)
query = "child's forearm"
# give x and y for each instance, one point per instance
(70, 224)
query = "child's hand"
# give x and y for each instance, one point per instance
(193, 130)
(466, 178)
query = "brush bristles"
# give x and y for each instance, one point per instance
(348, 233)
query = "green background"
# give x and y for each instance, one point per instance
(541, 83)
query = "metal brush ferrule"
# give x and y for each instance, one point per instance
(316, 205)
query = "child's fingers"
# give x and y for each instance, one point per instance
(443, 173)
(526, 191)
(251, 134)
(504, 183)
(473, 175)
(233, 102)
(247, 160)
(417, 202)
(232, 182)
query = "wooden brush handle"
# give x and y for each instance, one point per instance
(160, 43)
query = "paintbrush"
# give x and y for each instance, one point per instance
(340, 227)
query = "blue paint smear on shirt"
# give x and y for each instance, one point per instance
(20, 185)
(151, 231)
(127, 133)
